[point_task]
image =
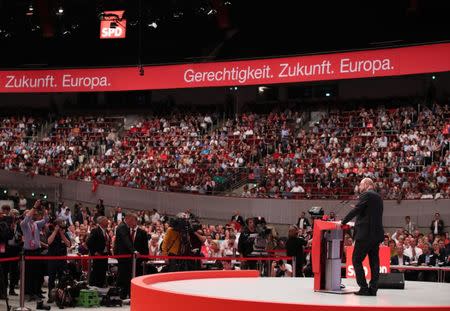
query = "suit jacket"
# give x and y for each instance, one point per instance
(369, 217)
(96, 241)
(432, 261)
(410, 230)
(141, 242)
(115, 216)
(440, 226)
(305, 223)
(123, 244)
(239, 219)
(394, 260)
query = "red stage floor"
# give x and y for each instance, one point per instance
(244, 290)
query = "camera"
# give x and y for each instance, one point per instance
(184, 225)
(316, 212)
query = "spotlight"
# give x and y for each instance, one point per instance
(5, 191)
(30, 10)
(45, 197)
(66, 33)
(152, 25)
(433, 77)
(261, 89)
(327, 94)
(33, 194)
(212, 12)
(60, 11)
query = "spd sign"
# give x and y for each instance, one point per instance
(112, 25)
(385, 262)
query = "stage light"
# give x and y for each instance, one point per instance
(433, 77)
(152, 25)
(327, 94)
(45, 197)
(33, 194)
(60, 11)
(261, 89)
(30, 10)
(5, 191)
(227, 3)
(212, 12)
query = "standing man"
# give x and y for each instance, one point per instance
(369, 233)
(409, 226)
(99, 244)
(140, 245)
(437, 226)
(125, 234)
(303, 222)
(31, 226)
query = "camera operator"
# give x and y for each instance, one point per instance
(246, 242)
(58, 243)
(294, 247)
(33, 222)
(5, 235)
(177, 242)
(197, 240)
(281, 269)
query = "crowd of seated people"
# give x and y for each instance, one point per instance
(404, 150)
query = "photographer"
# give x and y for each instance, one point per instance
(5, 235)
(58, 242)
(33, 222)
(246, 242)
(281, 269)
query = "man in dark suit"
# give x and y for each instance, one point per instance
(369, 233)
(125, 234)
(99, 244)
(238, 218)
(119, 215)
(303, 222)
(400, 259)
(140, 245)
(437, 225)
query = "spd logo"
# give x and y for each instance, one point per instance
(113, 25)
(385, 262)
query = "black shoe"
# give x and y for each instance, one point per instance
(12, 292)
(32, 298)
(373, 291)
(40, 306)
(363, 292)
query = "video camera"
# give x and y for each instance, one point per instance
(316, 212)
(184, 225)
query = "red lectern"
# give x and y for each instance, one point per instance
(327, 249)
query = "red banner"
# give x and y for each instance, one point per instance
(362, 64)
(385, 262)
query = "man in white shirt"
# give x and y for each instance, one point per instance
(413, 252)
(297, 189)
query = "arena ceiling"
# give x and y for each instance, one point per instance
(34, 33)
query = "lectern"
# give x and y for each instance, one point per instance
(327, 250)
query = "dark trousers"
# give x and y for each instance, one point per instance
(55, 270)
(124, 276)
(362, 249)
(33, 273)
(98, 273)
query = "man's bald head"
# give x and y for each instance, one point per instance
(366, 184)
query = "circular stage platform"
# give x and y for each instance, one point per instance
(244, 290)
